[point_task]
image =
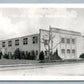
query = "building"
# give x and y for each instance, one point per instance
(70, 44)
(25, 43)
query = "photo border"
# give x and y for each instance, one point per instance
(42, 78)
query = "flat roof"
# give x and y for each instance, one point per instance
(19, 37)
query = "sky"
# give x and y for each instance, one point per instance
(16, 22)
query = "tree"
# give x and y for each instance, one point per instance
(17, 54)
(57, 57)
(6, 56)
(48, 43)
(82, 55)
(41, 56)
(22, 55)
(0, 55)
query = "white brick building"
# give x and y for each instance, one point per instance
(70, 44)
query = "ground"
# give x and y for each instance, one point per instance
(30, 68)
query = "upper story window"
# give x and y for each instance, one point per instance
(35, 39)
(68, 41)
(3, 44)
(73, 41)
(73, 51)
(17, 42)
(68, 51)
(9, 43)
(63, 51)
(46, 42)
(25, 41)
(62, 40)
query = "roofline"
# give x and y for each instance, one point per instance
(20, 37)
(65, 30)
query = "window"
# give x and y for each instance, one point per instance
(3, 44)
(25, 41)
(63, 51)
(68, 41)
(63, 40)
(36, 52)
(17, 42)
(73, 41)
(35, 39)
(9, 43)
(46, 42)
(68, 51)
(73, 51)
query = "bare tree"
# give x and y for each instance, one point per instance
(48, 43)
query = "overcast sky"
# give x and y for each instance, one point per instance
(15, 22)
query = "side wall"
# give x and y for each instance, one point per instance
(30, 46)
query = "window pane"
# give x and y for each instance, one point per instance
(35, 40)
(63, 40)
(46, 42)
(63, 51)
(68, 51)
(9, 43)
(73, 51)
(73, 41)
(17, 42)
(68, 41)
(3, 44)
(25, 41)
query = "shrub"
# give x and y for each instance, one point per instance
(27, 55)
(32, 55)
(82, 55)
(41, 56)
(6, 56)
(56, 56)
(22, 55)
(0, 54)
(17, 54)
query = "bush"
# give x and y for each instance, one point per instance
(27, 55)
(56, 56)
(82, 55)
(17, 54)
(0, 54)
(22, 55)
(32, 55)
(41, 56)
(6, 56)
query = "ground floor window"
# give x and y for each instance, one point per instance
(63, 51)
